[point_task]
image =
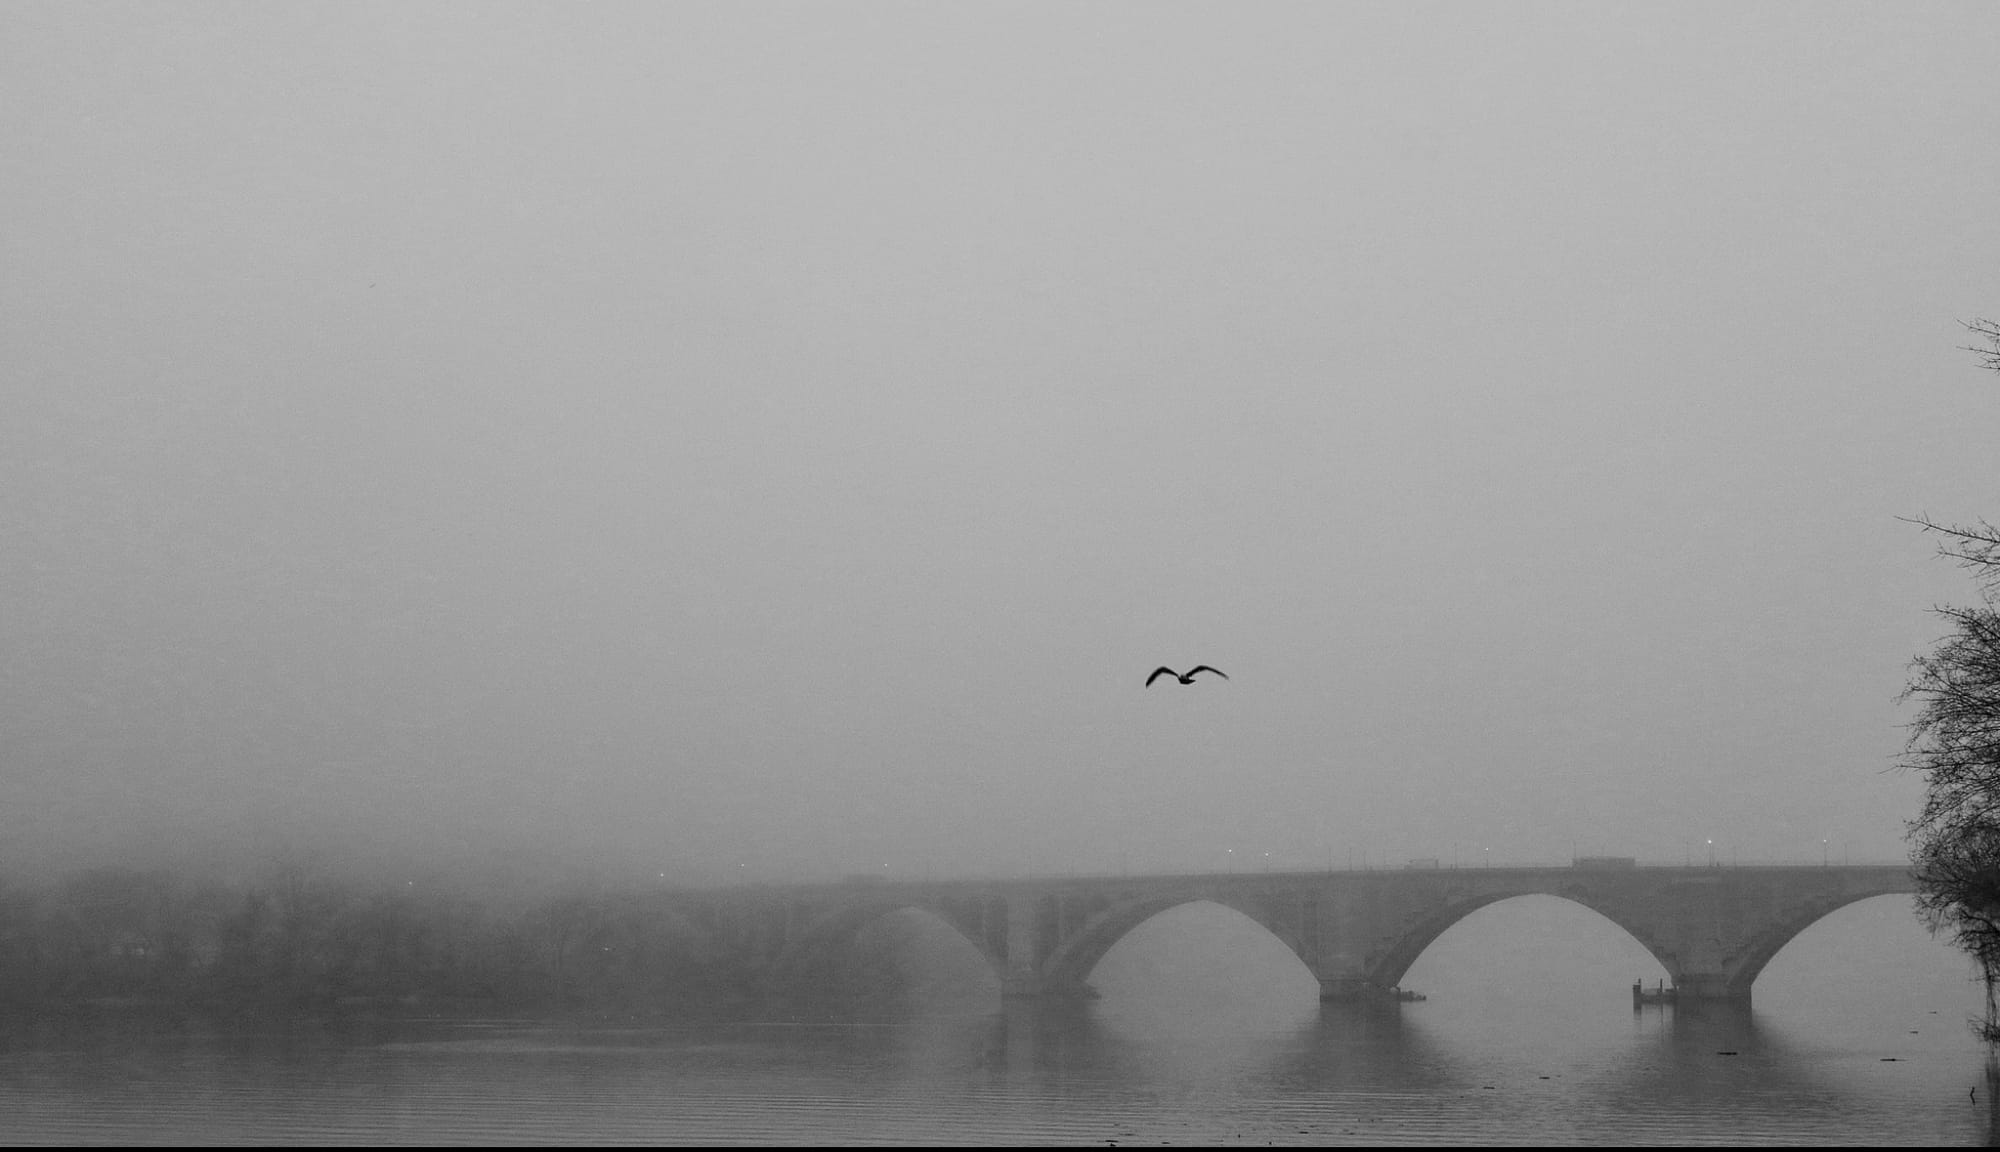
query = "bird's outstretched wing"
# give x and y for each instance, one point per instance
(1159, 672)
(1206, 668)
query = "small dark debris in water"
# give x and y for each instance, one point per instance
(1726, 1053)
(1913, 1031)
(1487, 1087)
(1541, 1077)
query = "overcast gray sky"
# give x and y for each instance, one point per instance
(778, 441)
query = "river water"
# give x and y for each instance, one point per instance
(1207, 1033)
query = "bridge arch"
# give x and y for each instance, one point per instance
(1069, 965)
(822, 940)
(1388, 971)
(1765, 945)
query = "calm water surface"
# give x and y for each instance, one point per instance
(1207, 1033)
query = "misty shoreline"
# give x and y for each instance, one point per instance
(293, 946)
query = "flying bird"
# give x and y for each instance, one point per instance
(1187, 678)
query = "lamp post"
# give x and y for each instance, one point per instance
(1711, 853)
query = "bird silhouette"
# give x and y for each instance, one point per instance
(1185, 678)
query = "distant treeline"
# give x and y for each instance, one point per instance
(298, 942)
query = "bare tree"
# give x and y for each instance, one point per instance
(1955, 743)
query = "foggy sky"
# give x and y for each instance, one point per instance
(777, 441)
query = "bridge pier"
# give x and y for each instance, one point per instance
(1021, 985)
(1349, 989)
(1023, 949)
(1018, 987)
(1707, 986)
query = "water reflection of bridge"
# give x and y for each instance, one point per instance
(1712, 928)
(1366, 1073)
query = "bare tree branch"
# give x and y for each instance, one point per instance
(1990, 355)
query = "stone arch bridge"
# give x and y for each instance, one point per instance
(1712, 928)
